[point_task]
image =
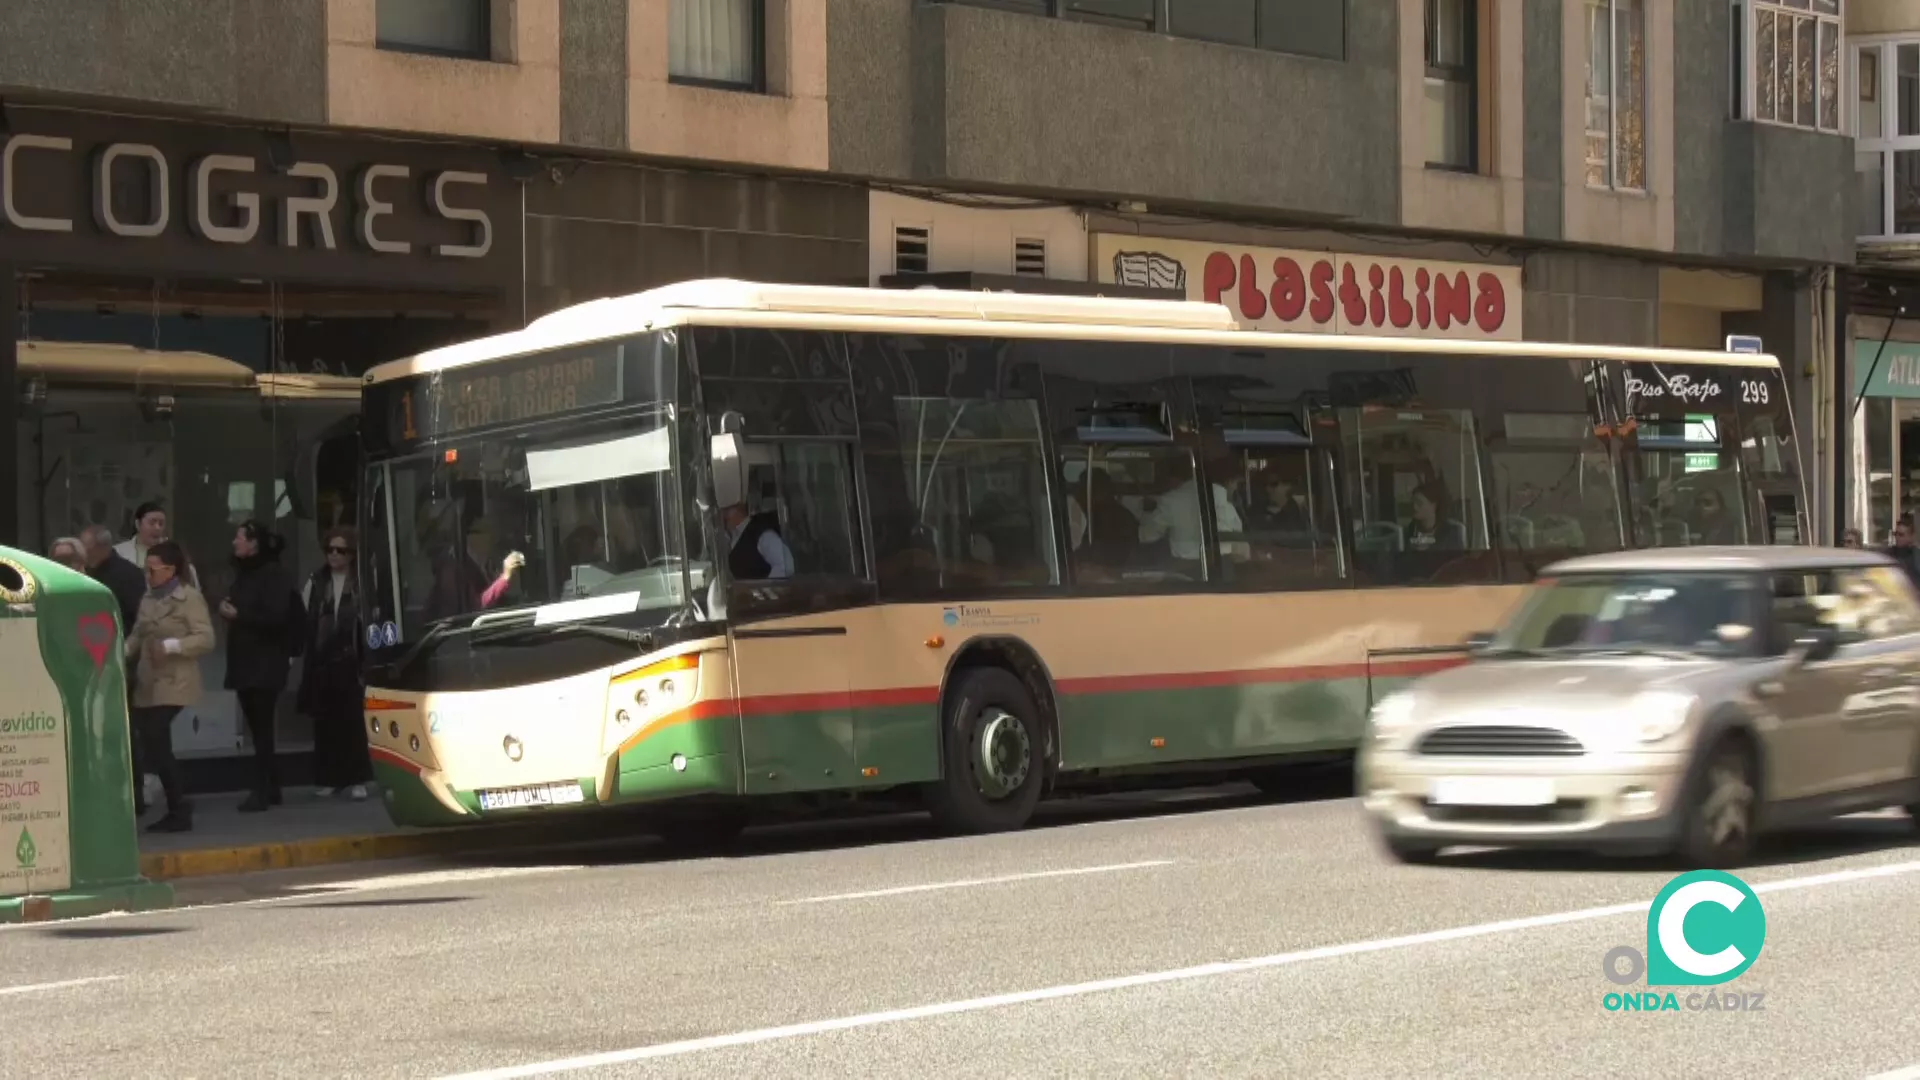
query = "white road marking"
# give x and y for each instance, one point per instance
(61, 985)
(1911, 1072)
(977, 881)
(1125, 982)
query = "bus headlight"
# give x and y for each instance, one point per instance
(654, 691)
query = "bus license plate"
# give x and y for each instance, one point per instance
(1492, 791)
(538, 795)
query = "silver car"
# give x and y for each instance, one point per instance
(1676, 700)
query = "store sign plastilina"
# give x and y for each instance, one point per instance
(34, 848)
(1323, 292)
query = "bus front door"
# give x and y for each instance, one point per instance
(796, 707)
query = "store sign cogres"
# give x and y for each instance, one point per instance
(229, 199)
(1322, 292)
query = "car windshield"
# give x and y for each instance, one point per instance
(1690, 614)
(536, 517)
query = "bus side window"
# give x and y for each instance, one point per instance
(1554, 489)
(979, 516)
(807, 488)
(1289, 535)
(1414, 493)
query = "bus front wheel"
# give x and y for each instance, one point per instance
(992, 739)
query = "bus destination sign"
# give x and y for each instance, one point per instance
(509, 392)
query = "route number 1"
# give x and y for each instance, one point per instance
(1753, 392)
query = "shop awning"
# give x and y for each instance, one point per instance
(126, 365)
(309, 387)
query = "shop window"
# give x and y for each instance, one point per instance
(717, 43)
(457, 28)
(1453, 71)
(980, 515)
(1414, 494)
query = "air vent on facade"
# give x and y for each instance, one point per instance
(909, 249)
(1030, 257)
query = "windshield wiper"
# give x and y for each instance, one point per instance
(639, 639)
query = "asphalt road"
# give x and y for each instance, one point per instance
(821, 951)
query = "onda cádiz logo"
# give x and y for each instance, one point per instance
(1704, 929)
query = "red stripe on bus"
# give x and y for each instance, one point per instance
(891, 697)
(392, 758)
(1200, 680)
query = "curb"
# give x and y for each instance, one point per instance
(370, 847)
(325, 851)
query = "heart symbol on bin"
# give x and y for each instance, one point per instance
(96, 635)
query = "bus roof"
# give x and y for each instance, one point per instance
(728, 302)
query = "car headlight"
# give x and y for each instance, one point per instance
(1390, 716)
(1658, 715)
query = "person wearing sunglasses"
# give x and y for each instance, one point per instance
(330, 687)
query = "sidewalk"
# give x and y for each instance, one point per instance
(306, 830)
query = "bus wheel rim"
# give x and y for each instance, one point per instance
(1003, 754)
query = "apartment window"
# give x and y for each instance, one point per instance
(718, 43)
(457, 28)
(1886, 126)
(1304, 27)
(1453, 55)
(1617, 94)
(1786, 62)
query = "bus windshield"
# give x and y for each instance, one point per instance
(543, 515)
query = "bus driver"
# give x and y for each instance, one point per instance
(756, 551)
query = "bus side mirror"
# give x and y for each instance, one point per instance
(729, 470)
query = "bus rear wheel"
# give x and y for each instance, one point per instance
(991, 740)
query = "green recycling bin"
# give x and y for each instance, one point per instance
(68, 845)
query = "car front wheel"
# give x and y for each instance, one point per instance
(1722, 809)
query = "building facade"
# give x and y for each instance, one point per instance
(1879, 331)
(216, 214)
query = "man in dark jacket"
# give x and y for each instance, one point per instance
(264, 621)
(126, 581)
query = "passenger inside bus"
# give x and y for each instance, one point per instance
(1426, 531)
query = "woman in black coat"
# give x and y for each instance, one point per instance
(330, 688)
(263, 632)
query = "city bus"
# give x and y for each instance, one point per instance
(724, 548)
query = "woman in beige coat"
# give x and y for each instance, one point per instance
(171, 634)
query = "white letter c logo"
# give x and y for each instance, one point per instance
(1673, 934)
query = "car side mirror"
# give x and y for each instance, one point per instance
(1815, 644)
(729, 453)
(1479, 640)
